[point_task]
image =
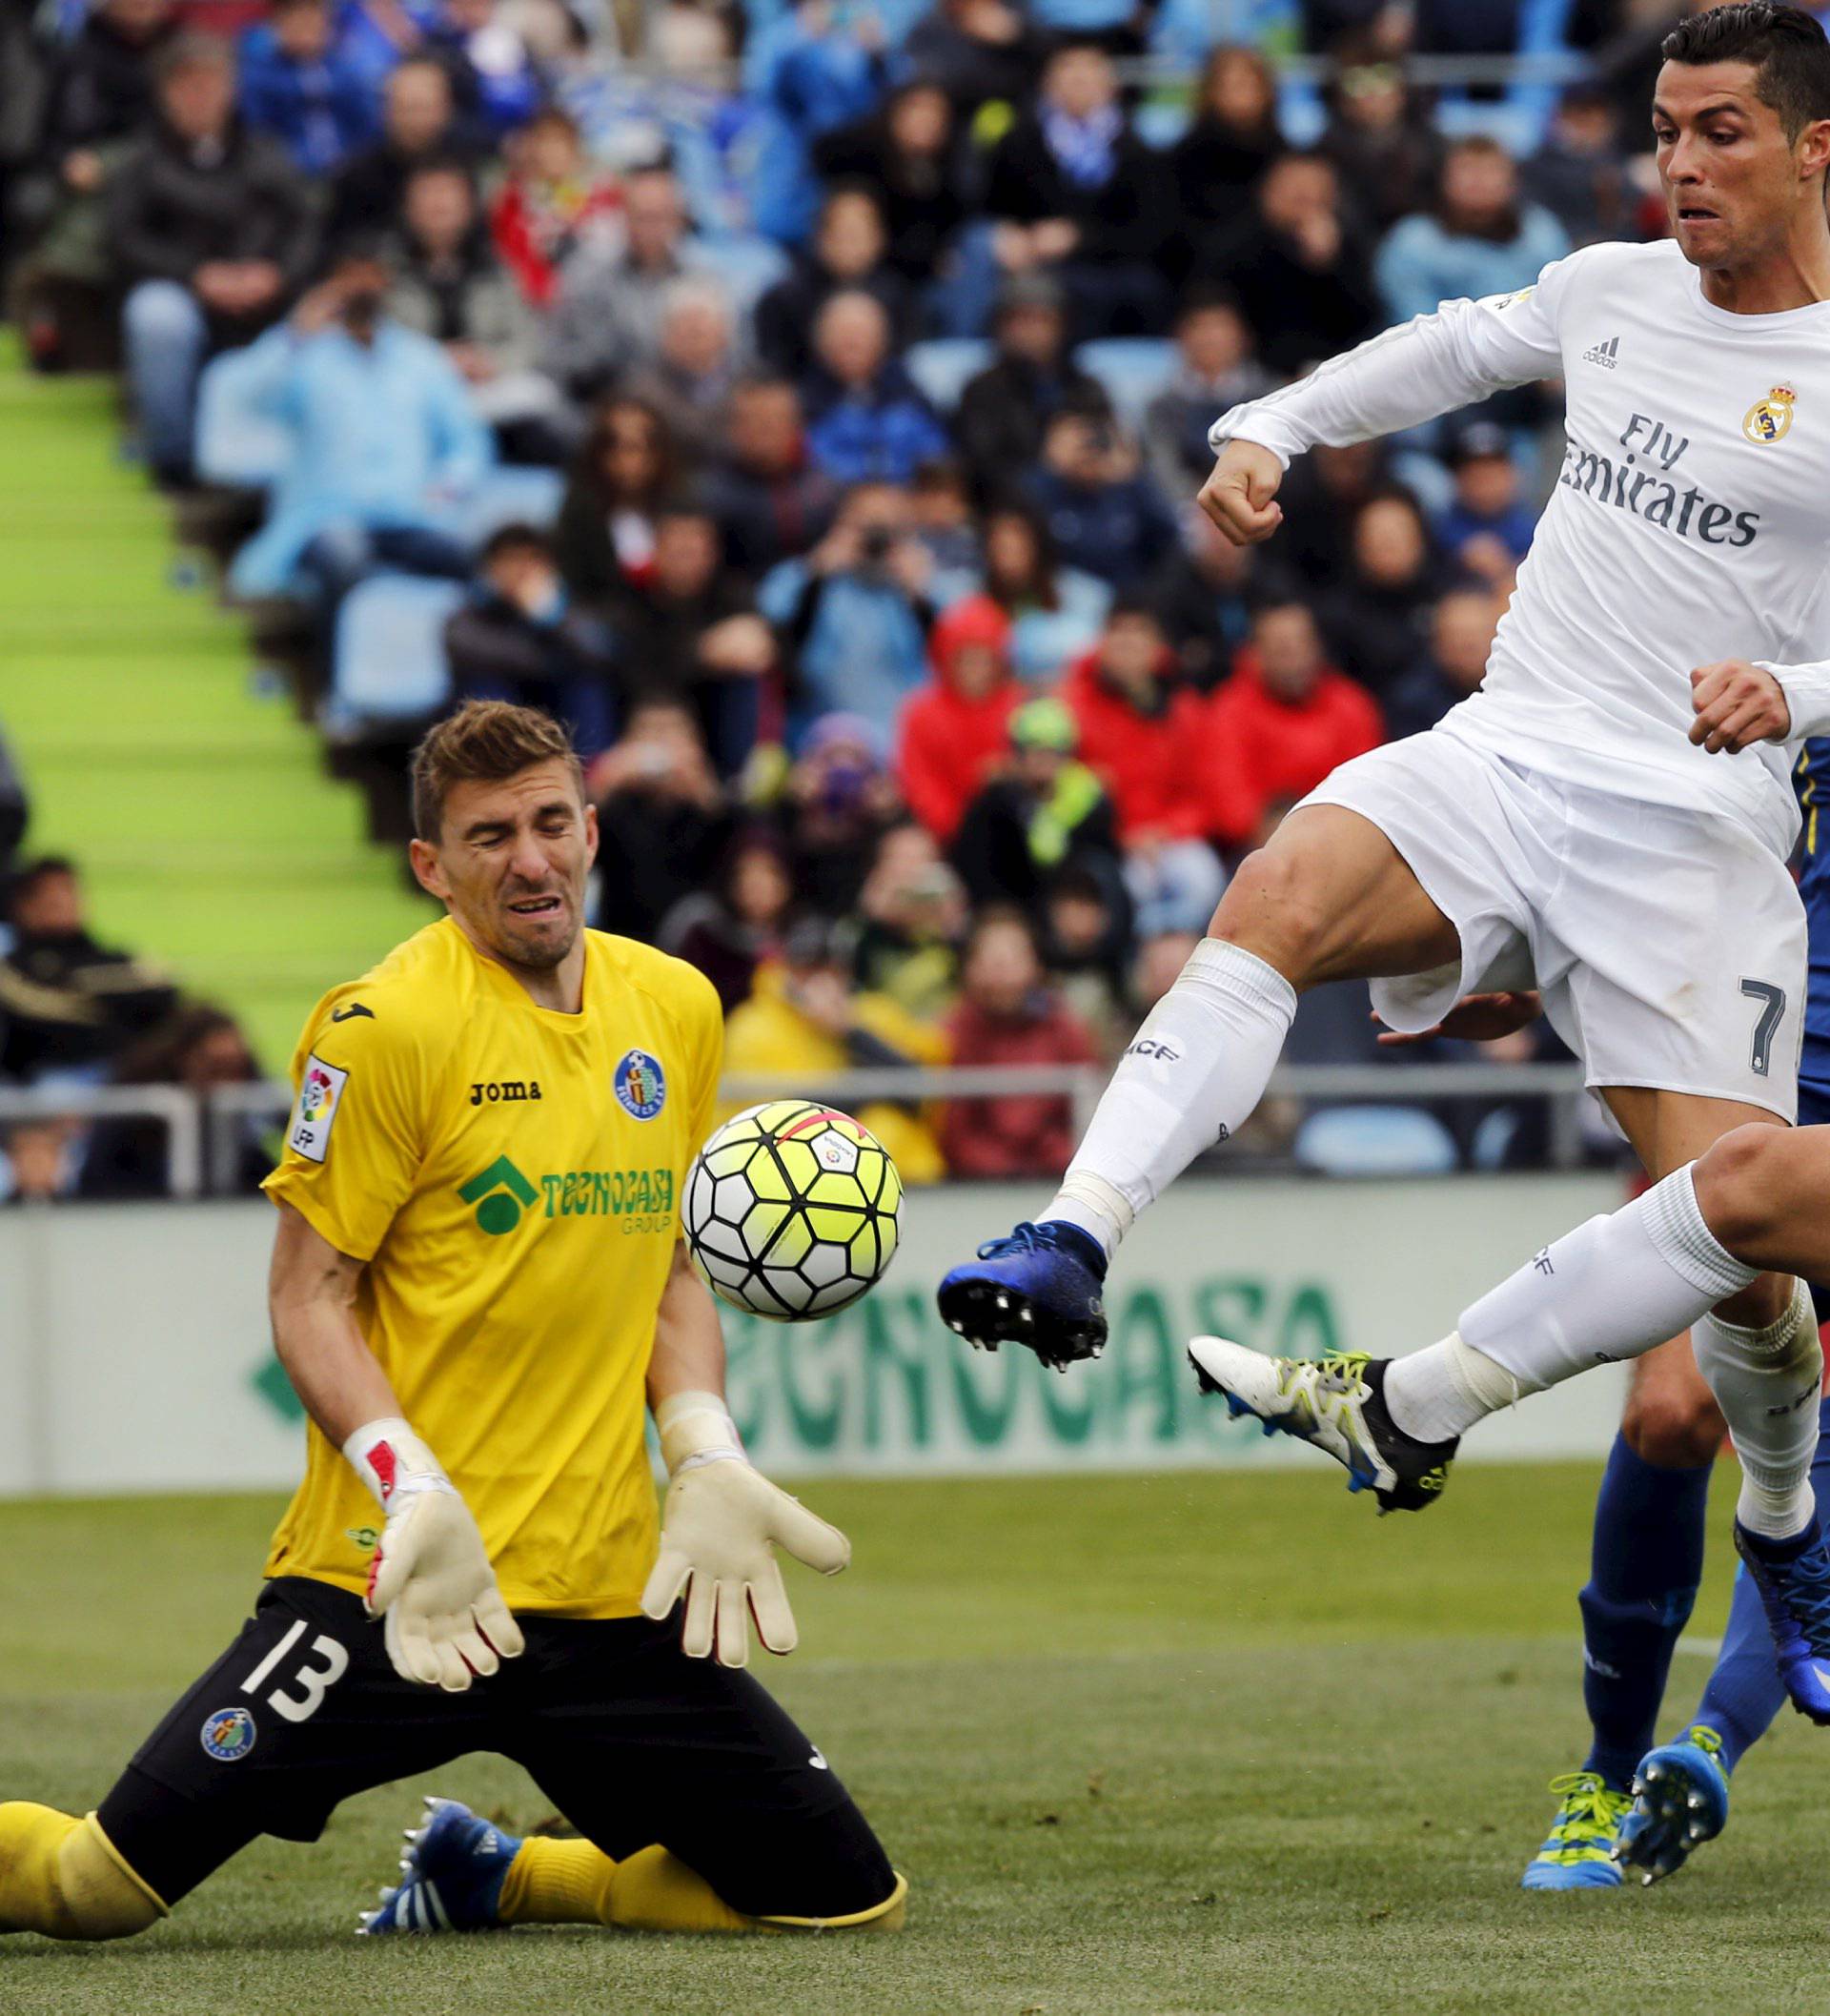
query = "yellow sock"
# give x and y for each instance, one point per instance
(572, 1883)
(61, 1875)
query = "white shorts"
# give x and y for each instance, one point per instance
(1669, 944)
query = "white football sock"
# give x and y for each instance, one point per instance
(1193, 1073)
(1766, 1383)
(1610, 1290)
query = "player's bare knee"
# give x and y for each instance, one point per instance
(1672, 1427)
(1737, 1186)
(1269, 908)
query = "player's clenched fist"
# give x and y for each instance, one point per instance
(1240, 495)
(1737, 706)
(718, 1532)
(430, 1581)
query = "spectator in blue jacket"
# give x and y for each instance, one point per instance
(854, 614)
(298, 88)
(867, 419)
(1487, 528)
(1480, 240)
(385, 438)
(1104, 515)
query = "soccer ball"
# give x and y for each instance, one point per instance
(790, 1210)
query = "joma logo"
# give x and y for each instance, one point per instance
(506, 1090)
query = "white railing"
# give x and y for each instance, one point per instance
(205, 1131)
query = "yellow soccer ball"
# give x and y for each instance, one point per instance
(791, 1210)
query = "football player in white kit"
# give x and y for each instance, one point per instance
(1589, 824)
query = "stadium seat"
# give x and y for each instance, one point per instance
(943, 367)
(1133, 369)
(1375, 1141)
(236, 444)
(509, 495)
(389, 664)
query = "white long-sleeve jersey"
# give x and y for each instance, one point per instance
(1690, 522)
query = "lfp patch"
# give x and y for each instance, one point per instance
(640, 1085)
(229, 1734)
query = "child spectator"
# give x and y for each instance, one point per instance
(912, 915)
(297, 88)
(865, 417)
(1461, 640)
(1106, 517)
(1281, 723)
(770, 500)
(1039, 812)
(728, 928)
(1006, 409)
(955, 728)
(554, 202)
(1142, 735)
(521, 639)
(1216, 369)
(910, 154)
(848, 256)
(1007, 1015)
(606, 534)
(940, 500)
(1055, 612)
(1488, 528)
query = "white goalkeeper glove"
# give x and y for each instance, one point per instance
(718, 1532)
(444, 1619)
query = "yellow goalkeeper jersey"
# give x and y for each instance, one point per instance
(512, 1175)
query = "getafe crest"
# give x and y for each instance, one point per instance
(1770, 420)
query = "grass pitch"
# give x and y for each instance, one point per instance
(1174, 1743)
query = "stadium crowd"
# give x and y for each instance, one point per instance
(807, 403)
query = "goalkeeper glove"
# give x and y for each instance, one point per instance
(717, 1535)
(444, 1619)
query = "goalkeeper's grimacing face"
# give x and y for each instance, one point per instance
(511, 861)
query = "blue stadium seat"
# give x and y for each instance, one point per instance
(1133, 369)
(1375, 1141)
(508, 495)
(943, 367)
(236, 444)
(389, 663)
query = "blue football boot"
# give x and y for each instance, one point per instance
(1792, 1578)
(1680, 1800)
(1578, 1852)
(451, 1876)
(1040, 1286)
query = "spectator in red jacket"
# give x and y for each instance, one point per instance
(1006, 1016)
(555, 201)
(1283, 720)
(956, 727)
(1144, 735)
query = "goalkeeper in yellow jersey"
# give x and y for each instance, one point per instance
(477, 1282)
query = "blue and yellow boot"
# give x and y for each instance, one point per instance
(1578, 1851)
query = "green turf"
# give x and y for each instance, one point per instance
(211, 834)
(1189, 1742)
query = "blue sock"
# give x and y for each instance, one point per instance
(1647, 1562)
(1744, 1692)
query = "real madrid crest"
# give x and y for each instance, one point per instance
(1770, 420)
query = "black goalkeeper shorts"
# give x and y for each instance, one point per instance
(634, 1742)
